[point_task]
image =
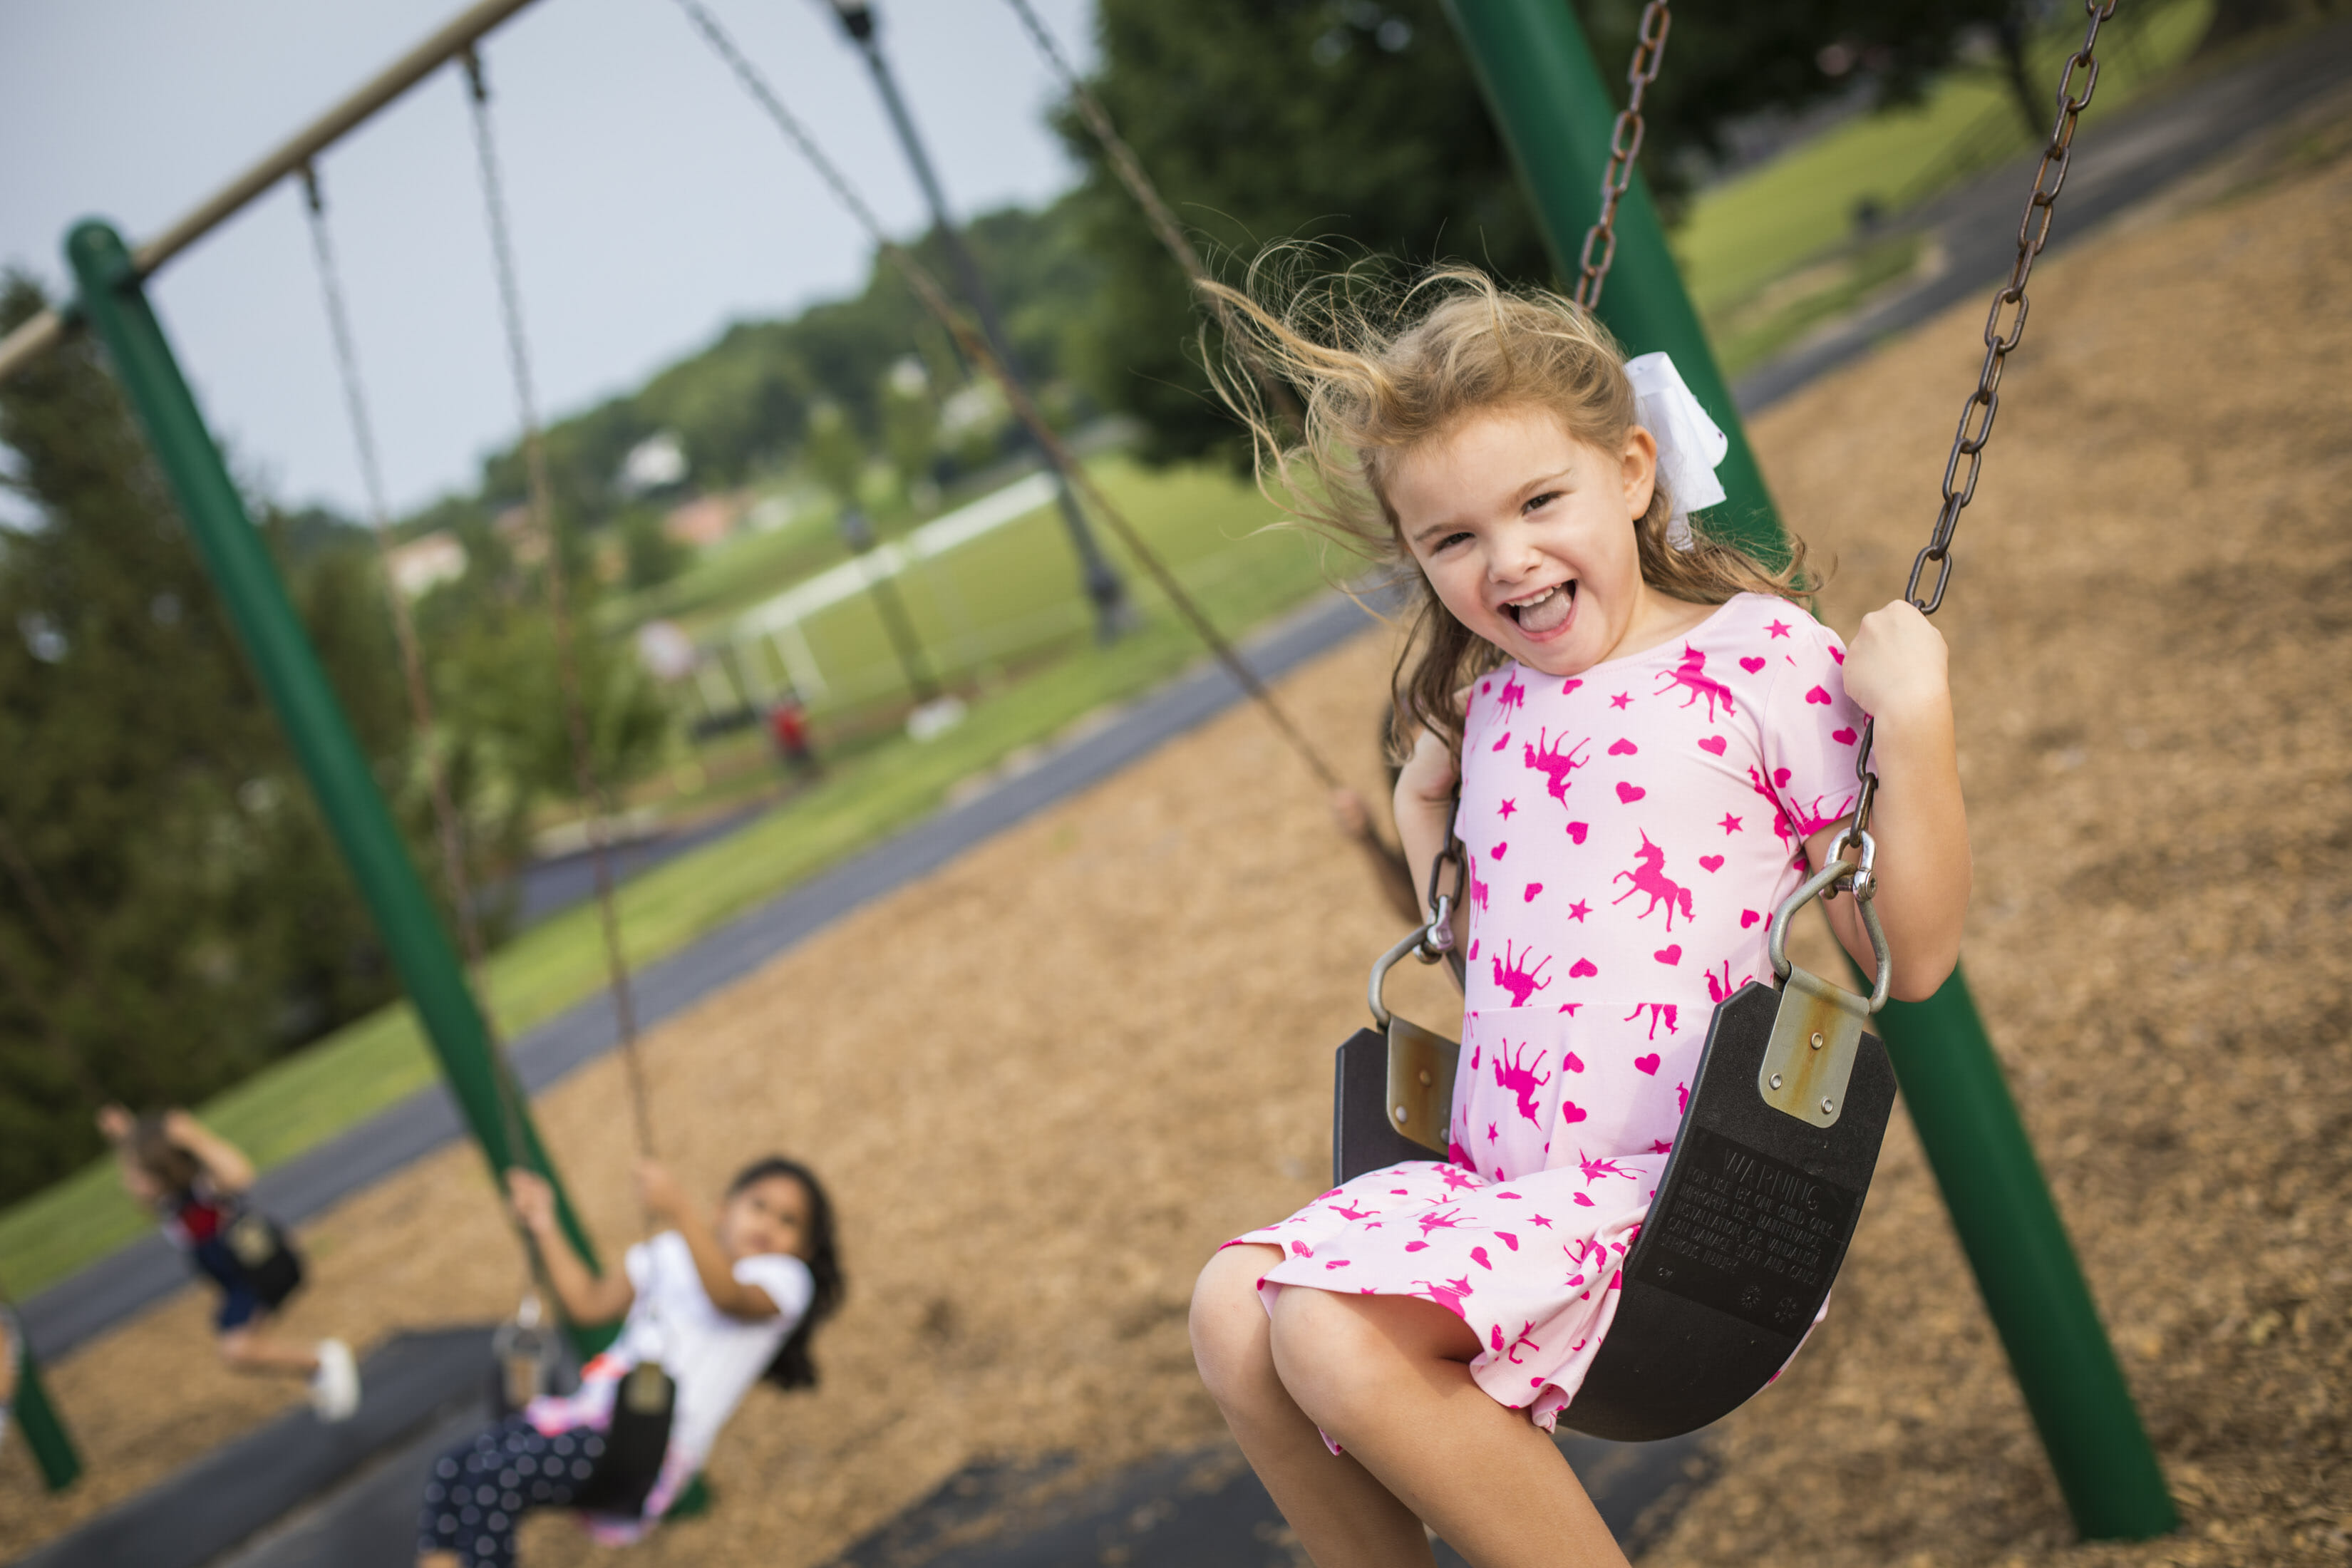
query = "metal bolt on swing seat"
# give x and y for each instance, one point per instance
(1775, 1080)
(1828, 1105)
(1424, 1078)
(1400, 1114)
(1817, 1040)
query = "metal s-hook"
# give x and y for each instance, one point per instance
(1854, 874)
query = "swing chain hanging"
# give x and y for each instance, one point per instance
(1624, 147)
(2008, 307)
(1156, 214)
(2032, 232)
(448, 831)
(588, 784)
(934, 299)
(449, 827)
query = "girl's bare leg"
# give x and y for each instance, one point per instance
(1343, 1515)
(437, 1559)
(1388, 1376)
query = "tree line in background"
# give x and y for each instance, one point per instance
(172, 915)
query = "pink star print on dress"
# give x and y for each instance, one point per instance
(1631, 830)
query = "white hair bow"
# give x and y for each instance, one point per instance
(1690, 444)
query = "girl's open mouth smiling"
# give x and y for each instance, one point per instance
(1541, 614)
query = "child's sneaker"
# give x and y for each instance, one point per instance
(335, 1387)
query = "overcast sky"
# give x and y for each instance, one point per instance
(652, 202)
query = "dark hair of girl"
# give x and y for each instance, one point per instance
(792, 1367)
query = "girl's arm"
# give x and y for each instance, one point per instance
(223, 1161)
(1896, 670)
(1425, 812)
(666, 1200)
(117, 1125)
(586, 1296)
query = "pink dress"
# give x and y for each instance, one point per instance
(1630, 831)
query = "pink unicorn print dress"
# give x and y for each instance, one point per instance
(1630, 831)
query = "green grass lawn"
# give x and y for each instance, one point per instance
(1749, 234)
(1205, 523)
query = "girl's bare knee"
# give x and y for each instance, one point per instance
(1228, 1325)
(1330, 1353)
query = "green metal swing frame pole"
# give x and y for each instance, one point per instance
(113, 301)
(44, 1431)
(1549, 102)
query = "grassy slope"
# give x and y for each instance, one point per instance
(1748, 233)
(1203, 519)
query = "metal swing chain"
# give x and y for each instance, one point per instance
(1600, 251)
(1977, 414)
(1156, 212)
(934, 299)
(448, 829)
(1624, 147)
(586, 778)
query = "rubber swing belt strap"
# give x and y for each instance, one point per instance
(2004, 328)
(934, 299)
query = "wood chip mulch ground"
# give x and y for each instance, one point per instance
(1045, 1082)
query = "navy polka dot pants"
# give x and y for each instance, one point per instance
(477, 1491)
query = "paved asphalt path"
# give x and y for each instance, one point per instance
(2117, 163)
(127, 1282)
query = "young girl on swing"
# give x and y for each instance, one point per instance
(721, 1301)
(194, 1182)
(1650, 741)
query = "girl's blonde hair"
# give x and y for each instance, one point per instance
(1385, 369)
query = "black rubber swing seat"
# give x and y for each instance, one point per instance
(1752, 1217)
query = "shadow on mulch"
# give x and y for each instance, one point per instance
(1206, 1506)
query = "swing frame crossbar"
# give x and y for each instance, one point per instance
(38, 334)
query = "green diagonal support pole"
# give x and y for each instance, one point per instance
(44, 1433)
(1555, 114)
(115, 304)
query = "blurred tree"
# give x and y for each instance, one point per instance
(2236, 19)
(651, 556)
(835, 452)
(171, 911)
(910, 429)
(1358, 123)
(743, 403)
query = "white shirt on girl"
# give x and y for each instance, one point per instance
(713, 1357)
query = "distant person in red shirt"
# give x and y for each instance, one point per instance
(195, 1181)
(788, 726)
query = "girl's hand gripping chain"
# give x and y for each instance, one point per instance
(658, 1193)
(533, 1200)
(1897, 671)
(586, 1297)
